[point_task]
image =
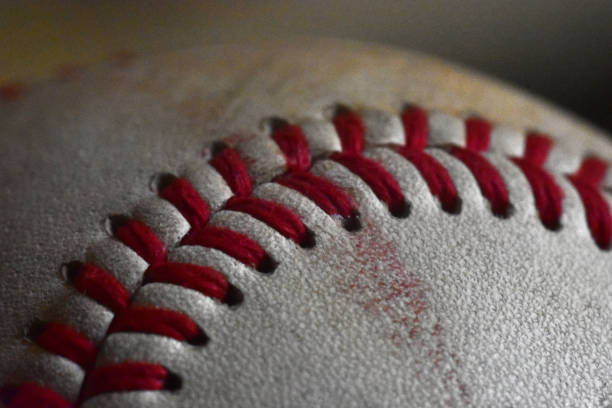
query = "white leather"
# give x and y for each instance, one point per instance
(509, 313)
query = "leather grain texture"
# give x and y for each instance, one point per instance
(434, 309)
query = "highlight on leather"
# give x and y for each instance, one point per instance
(102, 286)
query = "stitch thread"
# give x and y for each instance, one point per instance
(325, 194)
(292, 142)
(283, 220)
(164, 322)
(180, 193)
(350, 128)
(129, 376)
(140, 238)
(548, 195)
(29, 394)
(233, 170)
(234, 244)
(207, 281)
(65, 341)
(587, 181)
(441, 186)
(477, 134)
(98, 284)
(489, 180)
(378, 178)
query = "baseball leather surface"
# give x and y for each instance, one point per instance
(308, 223)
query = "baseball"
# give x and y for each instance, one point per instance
(307, 223)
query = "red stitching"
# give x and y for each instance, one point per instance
(180, 193)
(207, 281)
(477, 134)
(292, 142)
(438, 179)
(164, 322)
(416, 132)
(378, 178)
(587, 181)
(548, 195)
(537, 148)
(592, 170)
(233, 170)
(103, 287)
(65, 341)
(283, 220)
(350, 129)
(325, 194)
(233, 243)
(99, 285)
(414, 120)
(127, 376)
(31, 395)
(489, 179)
(140, 238)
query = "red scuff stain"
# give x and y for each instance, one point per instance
(384, 287)
(69, 72)
(11, 91)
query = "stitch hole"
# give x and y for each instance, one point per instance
(338, 109)
(200, 339)
(273, 123)
(506, 213)
(34, 329)
(217, 147)
(161, 180)
(70, 270)
(267, 264)
(401, 210)
(173, 382)
(454, 207)
(113, 222)
(554, 227)
(233, 296)
(352, 223)
(308, 240)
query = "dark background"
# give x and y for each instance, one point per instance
(561, 50)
